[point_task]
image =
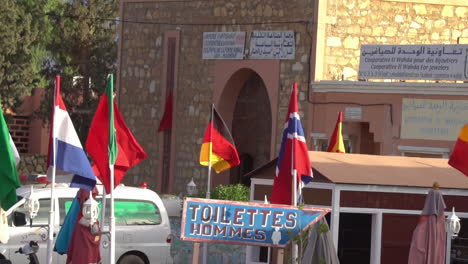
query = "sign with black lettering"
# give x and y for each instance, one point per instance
(275, 45)
(245, 222)
(414, 62)
(223, 45)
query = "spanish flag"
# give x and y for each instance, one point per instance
(218, 145)
(336, 143)
(459, 157)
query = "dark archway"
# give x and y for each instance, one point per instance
(251, 127)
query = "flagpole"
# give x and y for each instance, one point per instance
(103, 212)
(103, 209)
(50, 237)
(294, 172)
(208, 194)
(112, 218)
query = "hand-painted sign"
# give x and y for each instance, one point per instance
(245, 222)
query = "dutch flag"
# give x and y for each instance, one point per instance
(65, 144)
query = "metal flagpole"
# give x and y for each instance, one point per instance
(294, 175)
(112, 218)
(205, 244)
(103, 209)
(50, 237)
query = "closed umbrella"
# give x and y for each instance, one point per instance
(429, 238)
(320, 248)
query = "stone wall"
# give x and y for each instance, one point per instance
(142, 68)
(347, 24)
(351, 23)
(32, 164)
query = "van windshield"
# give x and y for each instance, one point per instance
(127, 212)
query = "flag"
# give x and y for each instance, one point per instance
(70, 156)
(9, 179)
(336, 143)
(126, 152)
(166, 121)
(218, 145)
(293, 155)
(66, 231)
(16, 155)
(459, 157)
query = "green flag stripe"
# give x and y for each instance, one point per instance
(112, 147)
(9, 180)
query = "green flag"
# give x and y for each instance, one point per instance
(112, 147)
(9, 179)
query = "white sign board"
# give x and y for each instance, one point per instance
(277, 45)
(433, 119)
(414, 62)
(353, 113)
(223, 45)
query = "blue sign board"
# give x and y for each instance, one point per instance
(245, 222)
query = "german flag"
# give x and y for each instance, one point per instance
(218, 145)
(459, 157)
(336, 143)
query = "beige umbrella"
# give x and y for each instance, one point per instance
(429, 236)
(320, 248)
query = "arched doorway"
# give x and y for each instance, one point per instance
(251, 127)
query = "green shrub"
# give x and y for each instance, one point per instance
(232, 192)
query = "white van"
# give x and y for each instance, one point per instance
(143, 233)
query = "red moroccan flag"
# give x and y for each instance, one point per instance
(459, 157)
(218, 145)
(129, 151)
(166, 120)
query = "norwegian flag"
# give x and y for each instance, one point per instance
(293, 158)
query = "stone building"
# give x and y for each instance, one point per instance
(161, 51)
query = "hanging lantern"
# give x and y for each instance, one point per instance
(453, 224)
(31, 205)
(191, 188)
(90, 209)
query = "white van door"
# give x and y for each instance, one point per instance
(37, 231)
(140, 228)
(141, 231)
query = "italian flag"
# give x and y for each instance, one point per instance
(9, 179)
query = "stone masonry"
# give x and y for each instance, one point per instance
(351, 23)
(142, 66)
(346, 25)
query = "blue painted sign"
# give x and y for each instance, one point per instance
(245, 222)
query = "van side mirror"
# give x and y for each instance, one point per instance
(19, 219)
